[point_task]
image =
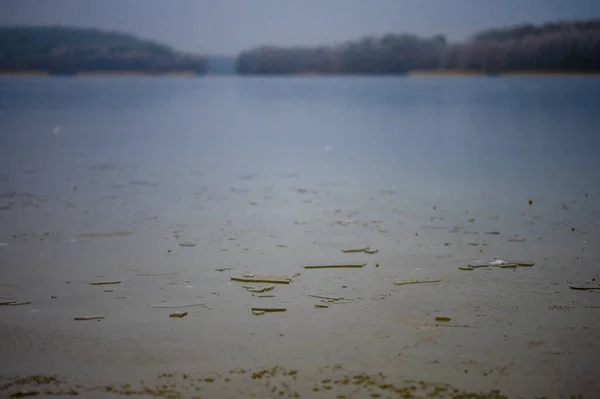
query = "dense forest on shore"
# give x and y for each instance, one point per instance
(564, 46)
(66, 50)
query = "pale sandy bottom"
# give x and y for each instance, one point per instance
(521, 331)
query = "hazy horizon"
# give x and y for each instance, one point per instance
(227, 27)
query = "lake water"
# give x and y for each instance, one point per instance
(104, 178)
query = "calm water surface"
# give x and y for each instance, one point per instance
(103, 178)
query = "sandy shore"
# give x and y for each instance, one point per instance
(450, 73)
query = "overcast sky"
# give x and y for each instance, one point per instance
(228, 26)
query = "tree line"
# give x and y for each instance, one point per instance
(558, 46)
(60, 50)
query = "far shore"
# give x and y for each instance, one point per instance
(183, 73)
(446, 72)
(414, 73)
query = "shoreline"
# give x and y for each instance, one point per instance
(540, 73)
(83, 73)
(412, 74)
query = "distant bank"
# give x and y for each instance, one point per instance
(25, 72)
(554, 48)
(564, 48)
(410, 74)
(540, 73)
(68, 51)
(214, 65)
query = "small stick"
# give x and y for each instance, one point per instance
(335, 266)
(105, 282)
(349, 251)
(418, 282)
(177, 306)
(14, 303)
(327, 297)
(584, 287)
(260, 280)
(86, 318)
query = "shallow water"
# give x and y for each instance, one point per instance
(103, 179)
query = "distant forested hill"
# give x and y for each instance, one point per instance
(564, 46)
(58, 49)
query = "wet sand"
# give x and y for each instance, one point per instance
(521, 331)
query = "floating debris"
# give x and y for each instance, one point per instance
(14, 303)
(478, 263)
(585, 287)
(336, 302)
(348, 266)
(349, 251)
(322, 305)
(492, 232)
(105, 282)
(177, 306)
(371, 252)
(88, 318)
(178, 315)
(327, 298)
(267, 296)
(258, 278)
(223, 269)
(500, 263)
(517, 239)
(268, 310)
(466, 268)
(259, 289)
(451, 325)
(418, 282)
(106, 235)
(187, 244)
(258, 312)
(442, 318)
